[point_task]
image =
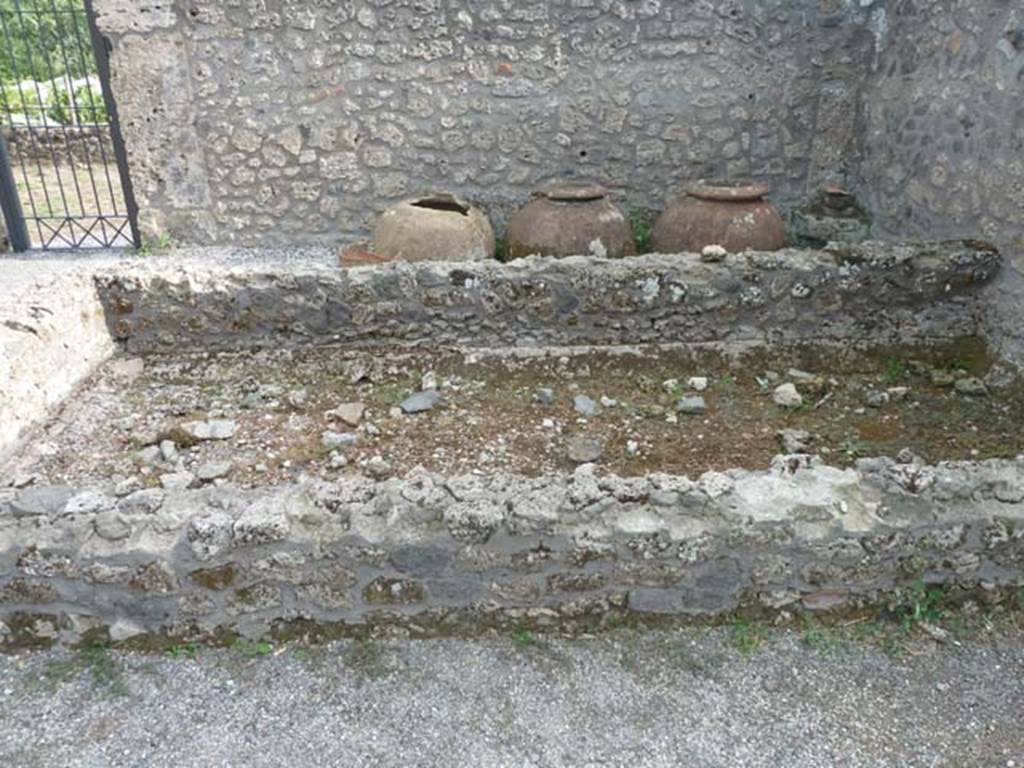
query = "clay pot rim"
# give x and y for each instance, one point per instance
(443, 202)
(572, 192)
(735, 191)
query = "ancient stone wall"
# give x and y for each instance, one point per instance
(293, 121)
(944, 147)
(440, 555)
(873, 294)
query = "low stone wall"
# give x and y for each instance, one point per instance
(89, 145)
(877, 293)
(436, 554)
(53, 334)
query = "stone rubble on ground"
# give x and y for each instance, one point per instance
(420, 402)
(787, 396)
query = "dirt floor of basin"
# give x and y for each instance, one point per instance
(134, 422)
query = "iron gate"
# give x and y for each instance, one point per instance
(63, 172)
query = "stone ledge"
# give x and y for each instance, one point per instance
(878, 292)
(423, 549)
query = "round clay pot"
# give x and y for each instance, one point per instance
(436, 227)
(732, 215)
(569, 220)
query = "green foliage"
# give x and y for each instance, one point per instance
(252, 648)
(366, 657)
(39, 44)
(188, 650)
(95, 660)
(641, 220)
(924, 605)
(746, 636)
(895, 370)
(523, 638)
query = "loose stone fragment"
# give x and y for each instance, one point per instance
(334, 440)
(943, 378)
(350, 414)
(971, 386)
(177, 481)
(377, 468)
(795, 440)
(692, 405)
(713, 254)
(168, 450)
(584, 405)
(544, 396)
(697, 383)
(217, 429)
(877, 399)
(787, 396)
(584, 450)
(149, 456)
(213, 470)
(421, 402)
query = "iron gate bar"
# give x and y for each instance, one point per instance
(101, 52)
(62, 213)
(17, 232)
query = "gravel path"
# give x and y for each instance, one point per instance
(666, 699)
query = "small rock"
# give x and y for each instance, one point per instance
(608, 402)
(149, 456)
(697, 383)
(168, 451)
(213, 470)
(124, 629)
(298, 398)
(334, 440)
(544, 396)
(215, 429)
(943, 378)
(337, 460)
(876, 399)
(898, 394)
(350, 414)
(670, 386)
(420, 402)
(787, 396)
(795, 440)
(632, 448)
(692, 405)
(584, 405)
(584, 450)
(429, 381)
(377, 468)
(177, 481)
(713, 254)
(971, 386)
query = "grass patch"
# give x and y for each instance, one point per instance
(641, 222)
(252, 649)
(185, 651)
(366, 658)
(746, 636)
(96, 662)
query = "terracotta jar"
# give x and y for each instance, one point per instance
(730, 214)
(436, 227)
(570, 220)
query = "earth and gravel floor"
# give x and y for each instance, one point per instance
(286, 412)
(730, 697)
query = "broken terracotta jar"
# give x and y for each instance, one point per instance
(436, 227)
(570, 220)
(733, 215)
